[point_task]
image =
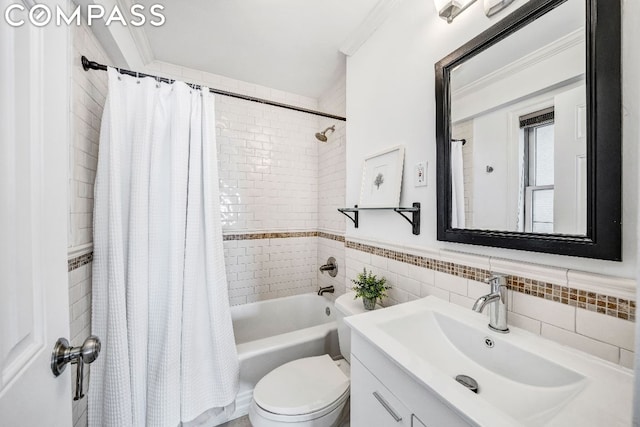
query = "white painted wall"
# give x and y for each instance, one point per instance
(391, 100)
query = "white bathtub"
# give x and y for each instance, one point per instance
(271, 333)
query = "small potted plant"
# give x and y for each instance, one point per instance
(369, 288)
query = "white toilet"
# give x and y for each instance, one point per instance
(312, 391)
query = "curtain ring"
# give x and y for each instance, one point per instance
(157, 82)
(138, 77)
(119, 74)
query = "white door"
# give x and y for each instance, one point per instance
(570, 186)
(34, 136)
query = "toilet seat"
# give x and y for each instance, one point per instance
(305, 388)
(329, 415)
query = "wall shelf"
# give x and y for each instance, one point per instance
(414, 220)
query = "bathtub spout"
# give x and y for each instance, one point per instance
(328, 289)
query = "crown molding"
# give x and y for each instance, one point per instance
(374, 20)
(552, 49)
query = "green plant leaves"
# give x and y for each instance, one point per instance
(367, 285)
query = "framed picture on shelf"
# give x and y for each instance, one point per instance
(382, 179)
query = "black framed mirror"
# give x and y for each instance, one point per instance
(529, 132)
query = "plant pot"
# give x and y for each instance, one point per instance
(369, 303)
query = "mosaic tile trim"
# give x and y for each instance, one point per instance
(285, 235)
(604, 304)
(330, 236)
(79, 261)
(258, 236)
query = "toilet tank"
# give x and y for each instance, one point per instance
(347, 305)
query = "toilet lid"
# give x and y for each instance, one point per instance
(301, 387)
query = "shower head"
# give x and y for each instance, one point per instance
(322, 136)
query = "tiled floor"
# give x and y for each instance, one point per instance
(238, 422)
(244, 422)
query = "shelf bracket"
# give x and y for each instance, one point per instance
(355, 218)
(415, 217)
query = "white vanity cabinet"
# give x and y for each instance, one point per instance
(372, 404)
(382, 394)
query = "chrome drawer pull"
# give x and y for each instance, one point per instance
(388, 407)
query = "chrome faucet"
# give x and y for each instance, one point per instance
(498, 300)
(327, 289)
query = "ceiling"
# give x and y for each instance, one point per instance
(291, 45)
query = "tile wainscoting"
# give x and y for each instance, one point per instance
(79, 266)
(592, 301)
(276, 264)
(558, 304)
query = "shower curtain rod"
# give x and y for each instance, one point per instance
(92, 65)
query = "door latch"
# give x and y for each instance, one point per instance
(64, 354)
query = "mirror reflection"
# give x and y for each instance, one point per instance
(519, 130)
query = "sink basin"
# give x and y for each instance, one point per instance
(508, 376)
(522, 378)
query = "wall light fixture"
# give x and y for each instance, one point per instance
(491, 7)
(449, 9)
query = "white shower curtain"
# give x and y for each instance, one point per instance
(457, 185)
(160, 299)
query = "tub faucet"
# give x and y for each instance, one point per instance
(498, 301)
(327, 289)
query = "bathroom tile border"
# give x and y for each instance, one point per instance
(79, 261)
(605, 304)
(330, 236)
(259, 236)
(86, 258)
(611, 306)
(283, 235)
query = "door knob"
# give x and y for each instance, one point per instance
(63, 354)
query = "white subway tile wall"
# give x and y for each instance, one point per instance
(270, 268)
(80, 316)
(332, 165)
(332, 248)
(276, 177)
(89, 91)
(268, 166)
(332, 162)
(601, 335)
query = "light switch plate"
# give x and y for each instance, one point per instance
(420, 174)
